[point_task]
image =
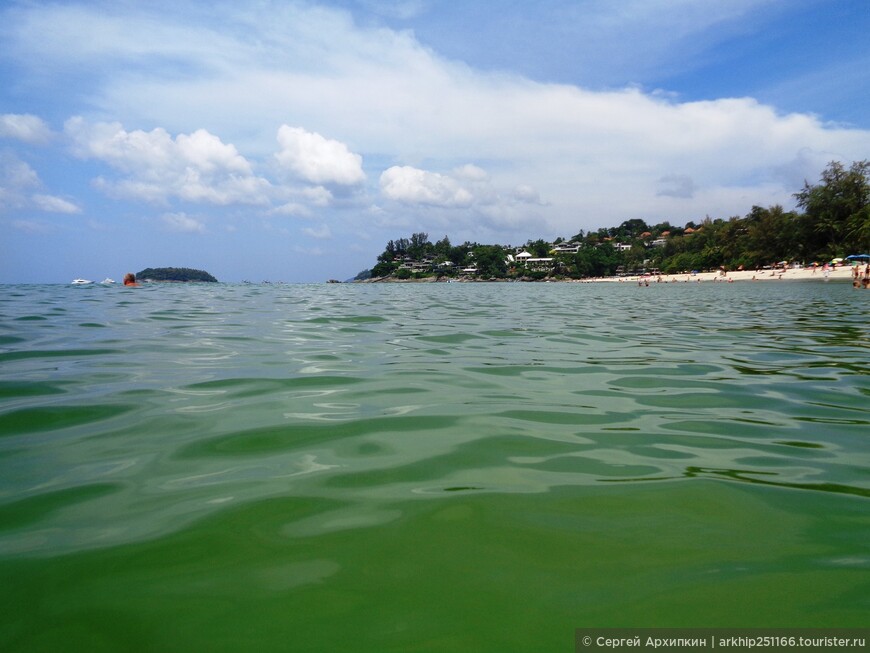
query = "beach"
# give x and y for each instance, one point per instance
(840, 273)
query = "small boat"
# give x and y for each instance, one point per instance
(107, 281)
(81, 282)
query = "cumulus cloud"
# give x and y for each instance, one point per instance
(24, 127)
(467, 197)
(410, 185)
(316, 159)
(183, 223)
(196, 167)
(317, 195)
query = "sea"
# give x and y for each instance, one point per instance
(428, 467)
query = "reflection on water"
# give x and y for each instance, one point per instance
(375, 454)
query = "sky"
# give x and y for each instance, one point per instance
(290, 140)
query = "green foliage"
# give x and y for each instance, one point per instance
(490, 260)
(538, 248)
(384, 268)
(837, 207)
(175, 274)
(596, 261)
(629, 230)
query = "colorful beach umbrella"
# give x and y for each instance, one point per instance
(857, 256)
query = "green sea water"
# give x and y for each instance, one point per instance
(428, 467)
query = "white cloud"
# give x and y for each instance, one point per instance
(183, 223)
(18, 181)
(527, 194)
(321, 233)
(411, 185)
(465, 198)
(558, 156)
(196, 167)
(16, 178)
(54, 204)
(24, 127)
(301, 201)
(32, 227)
(316, 159)
(294, 209)
(15, 173)
(471, 172)
(317, 196)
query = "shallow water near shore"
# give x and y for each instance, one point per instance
(428, 467)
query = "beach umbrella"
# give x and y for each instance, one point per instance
(857, 256)
(836, 260)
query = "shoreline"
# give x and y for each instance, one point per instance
(840, 274)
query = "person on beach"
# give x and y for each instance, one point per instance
(130, 280)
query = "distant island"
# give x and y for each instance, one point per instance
(175, 275)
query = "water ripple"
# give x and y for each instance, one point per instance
(133, 415)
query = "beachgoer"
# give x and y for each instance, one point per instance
(130, 280)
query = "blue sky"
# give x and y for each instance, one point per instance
(290, 140)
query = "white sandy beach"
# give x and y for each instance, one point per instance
(841, 273)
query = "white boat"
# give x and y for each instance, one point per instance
(81, 282)
(107, 281)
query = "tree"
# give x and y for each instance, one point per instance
(490, 260)
(459, 255)
(538, 248)
(631, 229)
(384, 268)
(837, 207)
(597, 261)
(418, 246)
(442, 247)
